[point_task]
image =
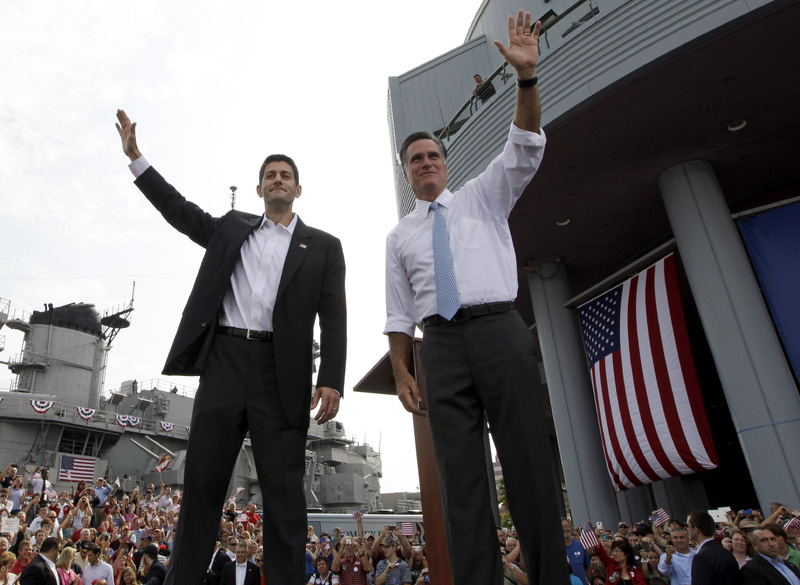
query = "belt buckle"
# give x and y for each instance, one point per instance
(248, 335)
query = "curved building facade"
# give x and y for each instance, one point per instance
(666, 122)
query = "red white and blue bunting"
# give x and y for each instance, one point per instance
(167, 426)
(122, 420)
(133, 421)
(86, 413)
(42, 406)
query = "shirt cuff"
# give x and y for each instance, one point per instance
(519, 136)
(139, 166)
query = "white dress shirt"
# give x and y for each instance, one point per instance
(241, 572)
(250, 300)
(477, 222)
(52, 566)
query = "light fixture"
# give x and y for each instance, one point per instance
(562, 221)
(737, 125)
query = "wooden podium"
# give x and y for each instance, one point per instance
(379, 380)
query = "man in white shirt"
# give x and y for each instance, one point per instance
(248, 331)
(676, 562)
(478, 354)
(96, 569)
(240, 572)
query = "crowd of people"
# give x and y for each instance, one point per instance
(745, 548)
(101, 535)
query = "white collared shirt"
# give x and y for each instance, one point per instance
(52, 567)
(477, 222)
(250, 300)
(241, 572)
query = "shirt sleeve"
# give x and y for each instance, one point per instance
(504, 180)
(399, 296)
(663, 567)
(139, 166)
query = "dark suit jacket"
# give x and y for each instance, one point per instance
(312, 283)
(758, 571)
(252, 576)
(221, 559)
(37, 573)
(156, 574)
(713, 565)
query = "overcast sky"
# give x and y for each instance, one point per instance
(214, 87)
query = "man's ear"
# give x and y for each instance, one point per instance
(299, 191)
(258, 190)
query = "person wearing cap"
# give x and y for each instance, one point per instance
(96, 568)
(82, 557)
(152, 572)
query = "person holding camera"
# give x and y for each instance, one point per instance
(392, 569)
(351, 562)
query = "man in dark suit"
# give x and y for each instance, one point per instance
(247, 330)
(767, 567)
(153, 572)
(712, 565)
(42, 569)
(250, 571)
(218, 562)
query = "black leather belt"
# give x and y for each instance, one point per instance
(467, 313)
(250, 334)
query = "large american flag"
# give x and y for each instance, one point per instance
(76, 468)
(652, 419)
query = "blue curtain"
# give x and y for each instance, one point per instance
(773, 242)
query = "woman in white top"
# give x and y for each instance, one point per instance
(16, 493)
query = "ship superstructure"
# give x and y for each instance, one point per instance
(55, 413)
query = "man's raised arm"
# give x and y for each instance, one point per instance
(127, 133)
(522, 54)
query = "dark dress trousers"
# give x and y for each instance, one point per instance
(713, 565)
(252, 576)
(260, 386)
(759, 571)
(37, 573)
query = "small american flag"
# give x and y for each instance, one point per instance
(588, 539)
(76, 468)
(659, 517)
(793, 523)
(50, 493)
(406, 529)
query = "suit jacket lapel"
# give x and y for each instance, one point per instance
(298, 250)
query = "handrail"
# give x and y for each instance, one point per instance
(550, 21)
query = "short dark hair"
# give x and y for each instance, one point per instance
(420, 136)
(49, 544)
(777, 530)
(703, 521)
(279, 158)
(94, 549)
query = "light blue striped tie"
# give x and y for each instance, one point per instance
(447, 300)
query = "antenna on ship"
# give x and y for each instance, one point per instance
(233, 196)
(117, 318)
